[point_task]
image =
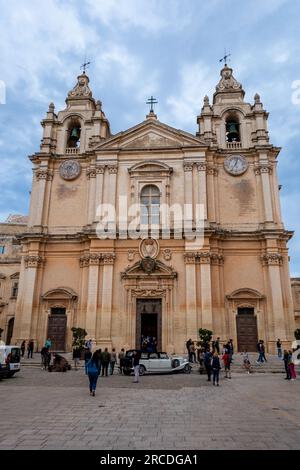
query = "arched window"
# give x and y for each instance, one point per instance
(150, 203)
(74, 131)
(232, 130)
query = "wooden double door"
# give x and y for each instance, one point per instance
(247, 336)
(57, 328)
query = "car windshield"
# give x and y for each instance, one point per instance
(164, 356)
(153, 356)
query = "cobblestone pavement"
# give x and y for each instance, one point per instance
(42, 410)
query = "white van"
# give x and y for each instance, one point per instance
(9, 360)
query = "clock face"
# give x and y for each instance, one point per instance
(236, 164)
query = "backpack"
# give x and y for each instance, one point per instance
(92, 368)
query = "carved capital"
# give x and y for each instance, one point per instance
(100, 169)
(108, 258)
(204, 257)
(272, 259)
(44, 174)
(91, 173)
(216, 259)
(112, 169)
(263, 168)
(212, 170)
(33, 261)
(201, 166)
(190, 257)
(188, 166)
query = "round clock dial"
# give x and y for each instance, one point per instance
(236, 164)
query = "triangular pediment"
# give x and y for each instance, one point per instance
(150, 134)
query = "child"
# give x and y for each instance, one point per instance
(246, 362)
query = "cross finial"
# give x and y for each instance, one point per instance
(152, 101)
(225, 57)
(85, 65)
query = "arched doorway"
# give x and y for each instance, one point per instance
(246, 324)
(57, 326)
(10, 329)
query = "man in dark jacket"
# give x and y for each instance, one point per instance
(105, 360)
(136, 365)
(207, 363)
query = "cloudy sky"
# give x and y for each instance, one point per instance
(168, 48)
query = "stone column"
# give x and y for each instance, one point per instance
(205, 288)
(112, 170)
(274, 261)
(91, 173)
(42, 175)
(202, 192)
(265, 170)
(104, 333)
(211, 171)
(190, 295)
(92, 295)
(99, 188)
(188, 191)
(24, 308)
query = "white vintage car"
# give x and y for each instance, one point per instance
(156, 362)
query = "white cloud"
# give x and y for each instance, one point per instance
(184, 104)
(151, 16)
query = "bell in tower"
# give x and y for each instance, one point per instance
(232, 131)
(74, 137)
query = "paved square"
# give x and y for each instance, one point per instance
(42, 410)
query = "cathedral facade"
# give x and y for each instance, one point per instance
(234, 280)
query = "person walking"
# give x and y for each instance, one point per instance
(30, 348)
(226, 360)
(217, 345)
(44, 357)
(230, 349)
(216, 366)
(279, 348)
(105, 359)
(136, 366)
(93, 370)
(87, 356)
(260, 351)
(121, 357)
(291, 365)
(264, 351)
(192, 353)
(113, 360)
(76, 357)
(207, 363)
(23, 347)
(187, 344)
(286, 360)
(89, 344)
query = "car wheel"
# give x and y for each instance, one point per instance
(10, 374)
(175, 363)
(187, 369)
(142, 370)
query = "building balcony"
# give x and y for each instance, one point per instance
(72, 150)
(234, 145)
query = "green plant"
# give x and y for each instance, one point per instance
(78, 337)
(205, 337)
(297, 333)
